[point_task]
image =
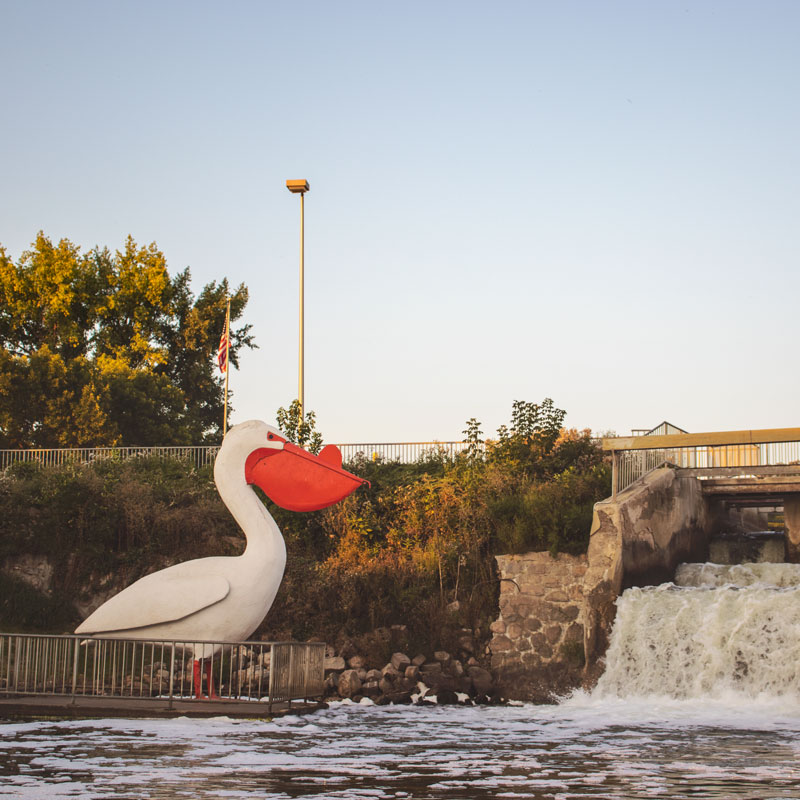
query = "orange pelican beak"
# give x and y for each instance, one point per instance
(299, 481)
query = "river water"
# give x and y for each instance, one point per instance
(700, 699)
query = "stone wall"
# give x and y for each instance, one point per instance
(556, 614)
(537, 647)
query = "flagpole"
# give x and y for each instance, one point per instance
(227, 364)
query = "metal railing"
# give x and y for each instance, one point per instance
(198, 455)
(204, 455)
(632, 460)
(74, 666)
(404, 452)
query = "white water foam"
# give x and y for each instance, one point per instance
(713, 576)
(738, 640)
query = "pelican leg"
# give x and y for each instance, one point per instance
(198, 681)
(212, 695)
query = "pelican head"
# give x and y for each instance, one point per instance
(290, 476)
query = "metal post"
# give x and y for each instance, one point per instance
(171, 675)
(227, 362)
(272, 665)
(291, 673)
(305, 675)
(302, 302)
(301, 187)
(614, 472)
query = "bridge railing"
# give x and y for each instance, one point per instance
(74, 666)
(203, 455)
(635, 456)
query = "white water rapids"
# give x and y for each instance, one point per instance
(700, 699)
(718, 632)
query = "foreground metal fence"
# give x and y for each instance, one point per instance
(203, 455)
(73, 666)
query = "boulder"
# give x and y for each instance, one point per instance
(481, 680)
(330, 664)
(374, 675)
(418, 660)
(349, 683)
(389, 669)
(356, 662)
(400, 661)
(446, 697)
(370, 688)
(395, 698)
(386, 684)
(362, 674)
(412, 673)
(464, 684)
(442, 656)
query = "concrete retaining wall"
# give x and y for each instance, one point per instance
(639, 538)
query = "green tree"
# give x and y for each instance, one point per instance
(534, 431)
(105, 348)
(298, 428)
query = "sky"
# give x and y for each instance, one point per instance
(595, 202)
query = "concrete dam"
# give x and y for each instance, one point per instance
(677, 498)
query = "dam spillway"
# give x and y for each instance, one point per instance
(717, 632)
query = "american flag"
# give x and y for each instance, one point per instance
(222, 352)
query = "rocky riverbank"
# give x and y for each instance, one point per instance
(407, 679)
(403, 680)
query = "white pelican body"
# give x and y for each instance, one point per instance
(218, 598)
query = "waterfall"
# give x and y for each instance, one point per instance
(718, 632)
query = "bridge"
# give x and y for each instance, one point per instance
(756, 469)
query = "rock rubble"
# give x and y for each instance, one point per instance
(403, 680)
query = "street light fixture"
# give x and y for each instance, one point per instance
(300, 187)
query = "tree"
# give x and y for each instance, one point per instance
(535, 428)
(299, 428)
(107, 348)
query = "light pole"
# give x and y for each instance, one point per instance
(300, 187)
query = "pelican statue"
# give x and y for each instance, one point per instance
(221, 598)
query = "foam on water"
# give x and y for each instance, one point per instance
(700, 699)
(712, 576)
(585, 748)
(738, 641)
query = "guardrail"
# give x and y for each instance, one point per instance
(204, 455)
(74, 666)
(633, 457)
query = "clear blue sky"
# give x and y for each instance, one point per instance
(592, 201)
